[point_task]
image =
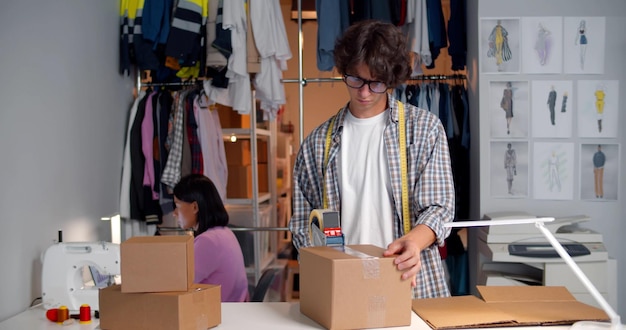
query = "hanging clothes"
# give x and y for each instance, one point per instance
(416, 28)
(212, 144)
(333, 18)
(450, 103)
(270, 37)
(457, 36)
(126, 163)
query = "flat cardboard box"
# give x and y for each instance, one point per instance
(353, 287)
(199, 307)
(503, 306)
(157, 263)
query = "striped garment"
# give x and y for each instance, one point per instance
(172, 171)
(431, 186)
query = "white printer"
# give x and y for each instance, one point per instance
(521, 255)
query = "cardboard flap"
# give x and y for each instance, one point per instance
(496, 294)
(460, 312)
(504, 306)
(551, 313)
(539, 305)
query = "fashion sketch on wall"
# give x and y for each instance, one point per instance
(542, 44)
(509, 169)
(553, 170)
(551, 108)
(597, 108)
(583, 44)
(508, 106)
(599, 171)
(500, 45)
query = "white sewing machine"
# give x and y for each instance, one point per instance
(73, 273)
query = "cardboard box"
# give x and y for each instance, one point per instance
(503, 306)
(239, 183)
(157, 263)
(353, 287)
(238, 152)
(261, 151)
(199, 307)
(230, 118)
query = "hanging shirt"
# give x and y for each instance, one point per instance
(172, 171)
(416, 28)
(270, 38)
(239, 80)
(126, 167)
(212, 143)
(147, 146)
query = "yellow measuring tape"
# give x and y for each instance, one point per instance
(406, 220)
(326, 151)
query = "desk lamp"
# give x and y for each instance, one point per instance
(615, 318)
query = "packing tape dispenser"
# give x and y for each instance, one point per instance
(325, 228)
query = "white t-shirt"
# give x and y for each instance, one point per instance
(366, 199)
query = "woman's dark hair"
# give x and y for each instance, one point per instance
(200, 189)
(381, 46)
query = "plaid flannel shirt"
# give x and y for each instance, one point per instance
(430, 182)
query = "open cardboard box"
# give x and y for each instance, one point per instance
(503, 306)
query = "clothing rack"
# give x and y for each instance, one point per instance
(191, 82)
(305, 81)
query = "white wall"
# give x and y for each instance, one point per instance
(62, 123)
(607, 217)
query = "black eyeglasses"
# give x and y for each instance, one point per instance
(357, 82)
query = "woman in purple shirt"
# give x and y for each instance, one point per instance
(218, 256)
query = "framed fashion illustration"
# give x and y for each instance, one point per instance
(509, 169)
(597, 108)
(551, 108)
(500, 45)
(584, 40)
(508, 109)
(599, 171)
(542, 44)
(553, 170)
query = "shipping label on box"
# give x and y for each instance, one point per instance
(353, 287)
(199, 307)
(157, 263)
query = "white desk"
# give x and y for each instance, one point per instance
(258, 316)
(271, 315)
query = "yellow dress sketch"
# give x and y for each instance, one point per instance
(600, 94)
(499, 44)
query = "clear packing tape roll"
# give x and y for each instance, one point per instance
(320, 219)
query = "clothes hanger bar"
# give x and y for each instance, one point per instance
(438, 77)
(305, 81)
(181, 83)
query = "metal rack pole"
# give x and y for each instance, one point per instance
(300, 76)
